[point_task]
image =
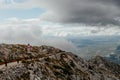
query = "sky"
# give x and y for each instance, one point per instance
(50, 22)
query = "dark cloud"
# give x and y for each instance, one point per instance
(84, 11)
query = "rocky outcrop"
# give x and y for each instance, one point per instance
(49, 63)
(105, 67)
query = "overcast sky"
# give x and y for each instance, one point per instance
(34, 21)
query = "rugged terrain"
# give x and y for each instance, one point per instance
(49, 63)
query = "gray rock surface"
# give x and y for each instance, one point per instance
(49, 63)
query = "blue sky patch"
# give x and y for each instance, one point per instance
(16, 1)
(21, 13)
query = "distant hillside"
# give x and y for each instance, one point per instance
(116, 56)
(49, 63)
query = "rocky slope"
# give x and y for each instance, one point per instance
(49, 63)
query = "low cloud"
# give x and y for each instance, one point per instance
(61, 43)
(16, 30)
(24, 31)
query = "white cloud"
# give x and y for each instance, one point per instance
(13, 4)
(15, 30)
(54, 13)
(63, 30)
(37, 32)
(61, 43)
(35, 28)
(32, 31)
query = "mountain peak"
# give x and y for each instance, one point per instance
(49, 63)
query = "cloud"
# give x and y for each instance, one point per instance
(16, 30)
(31, 30)
(58, 30)
(91, 12)
(61, 43)
(62, 18)
(24, 31)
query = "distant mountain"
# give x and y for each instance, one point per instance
(116, 56)
(118, 50)
(49, 63)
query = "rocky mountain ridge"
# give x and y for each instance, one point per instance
(49, 63)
